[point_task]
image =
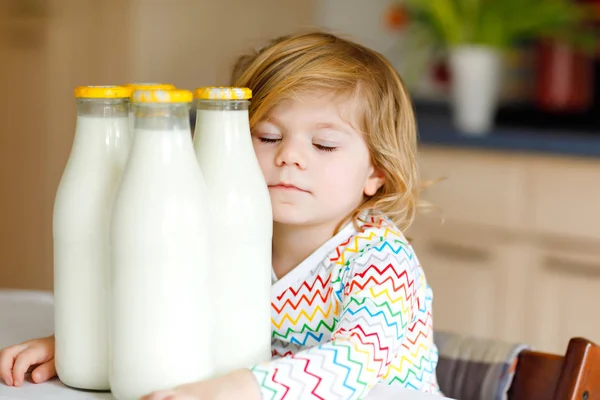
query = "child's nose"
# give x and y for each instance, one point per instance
(290, 154)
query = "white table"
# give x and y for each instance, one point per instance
(26, 315)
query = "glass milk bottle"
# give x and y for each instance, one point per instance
(160, 316)
(145, 86)
(243, 222)
(82, 210)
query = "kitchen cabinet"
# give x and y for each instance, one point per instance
(511, 246)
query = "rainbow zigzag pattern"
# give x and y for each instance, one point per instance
(361, 317)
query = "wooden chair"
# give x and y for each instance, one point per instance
(574, 376)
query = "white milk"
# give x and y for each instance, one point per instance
(82, 211)
(160, 333)
(242, 224)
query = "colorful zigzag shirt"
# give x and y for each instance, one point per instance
(355, 315)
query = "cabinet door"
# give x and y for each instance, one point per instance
(567, 297)
(468, 273)
(565, 197)
(481, 188)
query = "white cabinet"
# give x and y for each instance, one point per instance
(481, 188)
(567, 296)
(565, 197)
(514, 251)
(465, 274)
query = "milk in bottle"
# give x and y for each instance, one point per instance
(160, 316)
(82, 210)
(242, 224)
(145, 86)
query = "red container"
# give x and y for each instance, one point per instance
(564, 78)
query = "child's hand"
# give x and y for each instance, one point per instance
(16, 360)
(169, 395)
(239, 384)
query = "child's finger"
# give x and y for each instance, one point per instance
(159, 395)
(25, 359)
(44, 372)
(7, 359)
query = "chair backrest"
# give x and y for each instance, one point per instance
(471, 368)
(543, 376)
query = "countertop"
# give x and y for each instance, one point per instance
(435, 128)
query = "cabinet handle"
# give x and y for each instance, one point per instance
(459, 252)
(572, 267)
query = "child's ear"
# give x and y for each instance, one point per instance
(375, 180)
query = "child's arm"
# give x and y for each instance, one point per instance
(378, 304)
(239, 384)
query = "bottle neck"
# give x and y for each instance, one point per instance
(105, 108)
(222, 136)
(160, 116)
(102, 131)
(226, 120)
(222, 105)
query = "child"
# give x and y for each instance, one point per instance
(334, 132)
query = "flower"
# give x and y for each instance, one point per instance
(396, 17)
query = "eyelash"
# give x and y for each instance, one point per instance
(325, 148)
(318, 146)
(267, 140)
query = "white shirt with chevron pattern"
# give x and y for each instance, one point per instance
(355, 314)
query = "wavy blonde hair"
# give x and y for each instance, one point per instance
(290, 66)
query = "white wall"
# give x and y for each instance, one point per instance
(193, 42)
(364, 22)
(361, 20)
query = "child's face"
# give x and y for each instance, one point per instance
(315, 160)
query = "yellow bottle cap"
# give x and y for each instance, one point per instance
(222, 93)
(150, 85)
(162, 96)
(102, 92)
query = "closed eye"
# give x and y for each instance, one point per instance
(324, 148)
(268, 140)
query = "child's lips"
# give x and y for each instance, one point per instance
(288, 187)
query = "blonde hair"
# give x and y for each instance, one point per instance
(292, 65)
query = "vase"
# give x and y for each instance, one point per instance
(474, 90)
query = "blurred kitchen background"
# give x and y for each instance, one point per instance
(510, 241)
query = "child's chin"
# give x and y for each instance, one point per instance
(290, 216)
(292, 221)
